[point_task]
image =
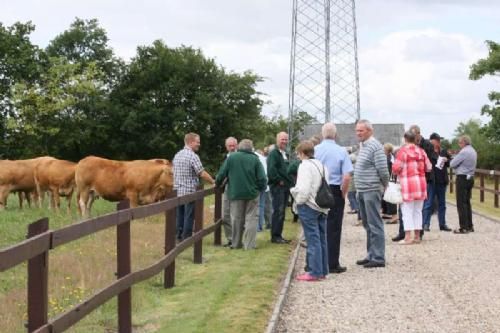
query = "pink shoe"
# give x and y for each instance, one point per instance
(307, 277)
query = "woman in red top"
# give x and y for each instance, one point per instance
(410, 166)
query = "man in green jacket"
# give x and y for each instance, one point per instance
(279, 184)
(245, 180)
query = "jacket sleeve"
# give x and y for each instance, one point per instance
(397, 166)
(302, 189)
(428, 164)
(222, 174)
(272, 168)
(381, 166)
(261, 177)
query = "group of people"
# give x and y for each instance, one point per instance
(257, 186)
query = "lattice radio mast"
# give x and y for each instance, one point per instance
(324, 74)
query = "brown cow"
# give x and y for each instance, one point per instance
(142, 182)
(18, 176)
(58, 177)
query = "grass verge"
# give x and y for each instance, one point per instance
(233, 290)
(486, 208)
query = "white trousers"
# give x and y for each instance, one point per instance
(412, 214)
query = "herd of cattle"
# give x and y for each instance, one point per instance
(140, 181)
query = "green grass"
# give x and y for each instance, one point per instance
(233, 290)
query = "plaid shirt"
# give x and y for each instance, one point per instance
(410, 166)
(187, 167)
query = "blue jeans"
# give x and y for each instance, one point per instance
(314, 226)
(439, 191)
(279, 200)
(265, 210)
(185, 218)
(353, 202)
(369, 204)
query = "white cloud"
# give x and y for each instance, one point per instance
(421, 77)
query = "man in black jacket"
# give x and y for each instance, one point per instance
(440, 160)
(279, 183)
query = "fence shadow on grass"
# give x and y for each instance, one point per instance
(40, 240)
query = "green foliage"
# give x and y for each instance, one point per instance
(490, 66)
(75, 98)
(86, 43)
(168, 92)
(51, 117)
(19, 60)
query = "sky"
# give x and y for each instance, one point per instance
(414, 55)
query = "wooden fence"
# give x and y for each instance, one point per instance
(41, 240)
(482, 174)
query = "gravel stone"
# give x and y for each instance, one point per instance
(448, 283)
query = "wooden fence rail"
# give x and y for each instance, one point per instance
(41, 240)
(482, 174)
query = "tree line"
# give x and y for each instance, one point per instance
(76, 98)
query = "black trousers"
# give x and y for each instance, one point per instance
(334, 227)
(389, 208)
(464, 194)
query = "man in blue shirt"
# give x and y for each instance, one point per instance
(339, 167)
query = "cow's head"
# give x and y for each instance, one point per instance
(166, 181)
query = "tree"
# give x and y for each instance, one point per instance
(50, 120)
(86, 43)
(168, 92)
(20, 60)
(490, 66)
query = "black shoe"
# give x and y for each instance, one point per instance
(352, 212)
(427, 228)
(445, 228)
(337, 270)
(280, 241)
(460, 231)
(362, 262)
(398, 238)
(306, 268)
(228, 244)
(373, 264)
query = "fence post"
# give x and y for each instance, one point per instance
(170, 230)
(218, 215)
(38, 273)
(451, 180)
(496, 191)
(124, 268)
(481, 184)
(198, 225)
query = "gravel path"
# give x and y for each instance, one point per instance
(448, 283)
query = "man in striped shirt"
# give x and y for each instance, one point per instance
(371, 176)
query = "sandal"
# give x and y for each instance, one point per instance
(417, 241)
(405, 242)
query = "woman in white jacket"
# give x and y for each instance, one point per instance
(313, 218)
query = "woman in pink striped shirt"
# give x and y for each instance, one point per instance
(410, 166)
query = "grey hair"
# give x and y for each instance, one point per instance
(231, 138)
(410, 136)
(415, 129)
(366, 123)
(466, 139)
(329, 131)
(245, 144)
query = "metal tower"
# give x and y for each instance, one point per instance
(324, 76)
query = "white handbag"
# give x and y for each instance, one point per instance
(393, 193)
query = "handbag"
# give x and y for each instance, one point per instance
(324, 197)
(393, 193)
